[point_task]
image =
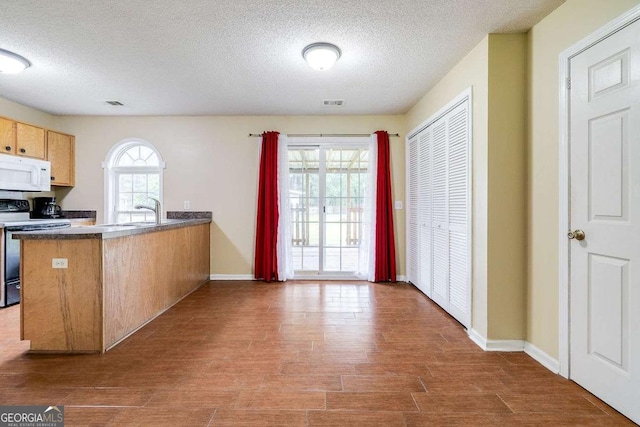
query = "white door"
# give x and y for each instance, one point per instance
(439, 231)
(413, 249)
(424, 213)
(458, 214)
(605, 205)
(440, 212)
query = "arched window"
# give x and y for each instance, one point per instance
(133, 174)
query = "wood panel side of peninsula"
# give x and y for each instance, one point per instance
(148, 274)
(61, 309)
(111, 288)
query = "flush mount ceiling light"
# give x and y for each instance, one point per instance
(11, 63)
(321, 56)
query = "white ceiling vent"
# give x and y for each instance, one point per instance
(115, 103)
(332, 102)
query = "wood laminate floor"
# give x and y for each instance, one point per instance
(296, 354)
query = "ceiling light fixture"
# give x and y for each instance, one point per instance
(11, 63)
(321, 56)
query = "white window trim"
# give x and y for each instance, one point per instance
(111, 172)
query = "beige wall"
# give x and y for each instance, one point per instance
(496, 71)
(567, 25)
(212, 162)
(25, 114)
(471, 71)
(506, 246)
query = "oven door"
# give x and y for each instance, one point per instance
(11, 255)
(11, 267)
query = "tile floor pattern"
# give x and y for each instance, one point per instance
(296, 354)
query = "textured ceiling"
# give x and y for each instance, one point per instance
(242, 57)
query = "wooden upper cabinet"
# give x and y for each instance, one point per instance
(61, 154)
(30, 141)
(7, 136)
(33, 141)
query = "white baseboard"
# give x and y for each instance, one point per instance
(542, 357)
(516, 345)
(505, 345)
(231, 277)
(401, 278)
(495, 345)
(477, 338)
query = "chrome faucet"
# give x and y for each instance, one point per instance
(156, 209)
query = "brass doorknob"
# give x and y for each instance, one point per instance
(576, 234)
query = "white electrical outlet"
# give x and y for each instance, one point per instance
(187, 204)
(60, 263)
(398, 204)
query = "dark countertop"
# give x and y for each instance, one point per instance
(73, 214)
(189, 215)
(108, 231)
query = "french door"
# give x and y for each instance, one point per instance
(327, 187)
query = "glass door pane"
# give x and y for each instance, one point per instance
(345, 178)
(304, 196)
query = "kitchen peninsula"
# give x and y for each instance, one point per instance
(85, 289)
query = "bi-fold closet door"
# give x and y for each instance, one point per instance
(439, 220)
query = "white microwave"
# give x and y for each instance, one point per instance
(24, 174)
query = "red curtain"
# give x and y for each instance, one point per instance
(385, 268)
(266, 256)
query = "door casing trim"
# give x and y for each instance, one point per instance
(594, 38)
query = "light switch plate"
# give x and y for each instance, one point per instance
(60, 263)
(398, 204)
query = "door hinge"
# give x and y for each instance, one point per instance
(568, 83)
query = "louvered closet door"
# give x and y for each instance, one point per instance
(424, 282)
(457, 130)
(413, 253)
(440, 223)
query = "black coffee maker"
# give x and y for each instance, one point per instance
(45, 207)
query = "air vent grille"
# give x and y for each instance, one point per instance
(332, 102)
(115, 103)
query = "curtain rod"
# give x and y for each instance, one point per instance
(325, 134)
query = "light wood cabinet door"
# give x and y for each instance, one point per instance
(30, 141)
(7, 136)
(61, 154)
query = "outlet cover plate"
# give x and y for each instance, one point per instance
(60, 263)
